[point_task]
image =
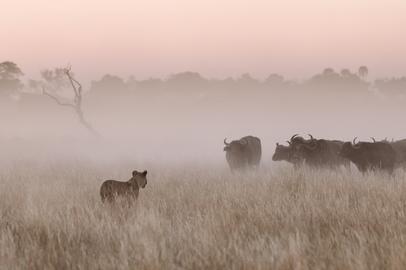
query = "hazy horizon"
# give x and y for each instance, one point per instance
(144, 39)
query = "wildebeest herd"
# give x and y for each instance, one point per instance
(246, 153)
(374, 155)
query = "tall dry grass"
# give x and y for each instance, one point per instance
(202, 217)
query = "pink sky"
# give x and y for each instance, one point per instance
(215, 37)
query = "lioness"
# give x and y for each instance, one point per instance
(111, 189)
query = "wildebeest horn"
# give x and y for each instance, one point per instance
(243, 142)
(373, 139)
(294, 136)
(354, 145)
(289, 142)
(225, 142)
(311, 137)
(308, 146)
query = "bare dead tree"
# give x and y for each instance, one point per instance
(76, 105)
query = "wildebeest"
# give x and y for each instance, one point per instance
(283, 153)
(243, 153)
(318, 152)
(111, 189)
(400, 149)
(370, 155)
(286, 153)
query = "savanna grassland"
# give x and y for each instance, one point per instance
(200, 217)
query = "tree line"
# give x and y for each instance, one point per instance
(190, 95)
(327, 81)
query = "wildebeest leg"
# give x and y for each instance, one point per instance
(298, 165)
(391, 170)
(362, 168)
(347, 166)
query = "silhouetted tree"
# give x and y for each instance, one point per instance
(394, 86)
(56, 78)
(246, 79)
(275, 79)
(10, 75)
(109, 82)
(328, 71)
(363, 72)
(108, 85)
(76, 105)
(328, 76)
(187, 78)
(345, 72)
(149, 83)
(330, 81)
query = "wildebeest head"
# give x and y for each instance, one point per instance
(243, 153)
(139, 178)
(303, 148)
(235, 146)
(236, 153)
(282, 152)
(296, 139)
(348, 148)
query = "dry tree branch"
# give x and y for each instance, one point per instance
(77, 101)
(56, 99)
(78, 88)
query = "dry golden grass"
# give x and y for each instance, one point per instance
(201, 218)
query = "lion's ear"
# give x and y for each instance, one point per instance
(135, 173)
(144, 173)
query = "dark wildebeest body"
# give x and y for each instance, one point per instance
(112, 189)
(400, 149)
(370, 155)
(286, 153)
(243, 153)
(319, 152)
(283, 153)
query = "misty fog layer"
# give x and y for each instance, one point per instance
(186, 117)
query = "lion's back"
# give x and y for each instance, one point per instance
(109, 188)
